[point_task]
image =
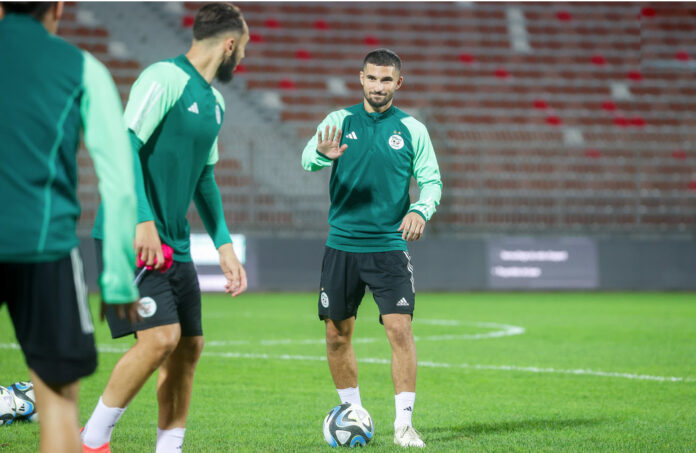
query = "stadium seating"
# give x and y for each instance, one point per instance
(569, 117)
(246, 204)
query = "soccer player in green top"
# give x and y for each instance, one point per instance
(173, 117)
(373, 149)
(49, 91)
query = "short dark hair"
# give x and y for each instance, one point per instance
(37, 10)
(383, 57)
(215, 18)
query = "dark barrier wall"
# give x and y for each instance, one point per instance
(467, 264)
(649, 264)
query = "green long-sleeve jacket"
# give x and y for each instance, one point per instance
(49, 91)
(369, 187)
(173, 116)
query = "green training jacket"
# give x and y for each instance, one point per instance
(173, 117)
(369, 187)
(49, 91)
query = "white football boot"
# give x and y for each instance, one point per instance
(407, 436)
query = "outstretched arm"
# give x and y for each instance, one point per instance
(209, 205)
(151, 97)
(107, 142)
(427, 174)
(148, 246)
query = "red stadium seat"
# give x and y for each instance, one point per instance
(466, 58)
(371, 40)
(287, 84)
(271, 22)
(302, 54)
(321, 25)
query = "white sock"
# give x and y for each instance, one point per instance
(170, 440)
(404, 403)
(98, 429)
(350, 395)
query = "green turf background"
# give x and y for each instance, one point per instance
(252, 404)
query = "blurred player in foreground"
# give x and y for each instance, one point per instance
(173, 117)
(50, 90)
(374, 148)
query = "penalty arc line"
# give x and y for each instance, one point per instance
(426, 364)
(503, 330)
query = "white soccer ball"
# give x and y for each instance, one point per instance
(348, 425)
(7, 406)
(25, 403)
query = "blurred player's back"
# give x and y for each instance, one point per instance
(49, 92)
(39, 124)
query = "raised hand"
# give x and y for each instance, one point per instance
(329, 143)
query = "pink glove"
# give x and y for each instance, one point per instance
(168, 259)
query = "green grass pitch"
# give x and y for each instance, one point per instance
(498, 372)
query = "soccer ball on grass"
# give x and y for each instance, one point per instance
(25, 403)
(348, 425)
(7, 406)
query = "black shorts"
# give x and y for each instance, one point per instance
(173, 297)
(48, 306)
(344, 276)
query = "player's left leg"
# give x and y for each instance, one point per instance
(390, 276)
(403, 346)
(404, 364)
(47, 302)
(59, 425)
(174, 387)
(175, 378)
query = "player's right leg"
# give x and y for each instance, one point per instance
(175, 376)
(129, 375)
(152, 347)
(339, 298)
(157, 334)
(340, 354)
(47, 302)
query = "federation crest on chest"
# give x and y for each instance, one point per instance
(396, 141)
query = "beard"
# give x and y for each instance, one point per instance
(378, 104)
(225, 72)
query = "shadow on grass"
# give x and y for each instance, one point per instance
(478, 429)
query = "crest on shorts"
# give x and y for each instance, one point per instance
(324, 300)
(396, 142)
(148, 307)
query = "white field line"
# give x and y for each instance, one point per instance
(502, 330)
(380, 361)
(527, 369)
